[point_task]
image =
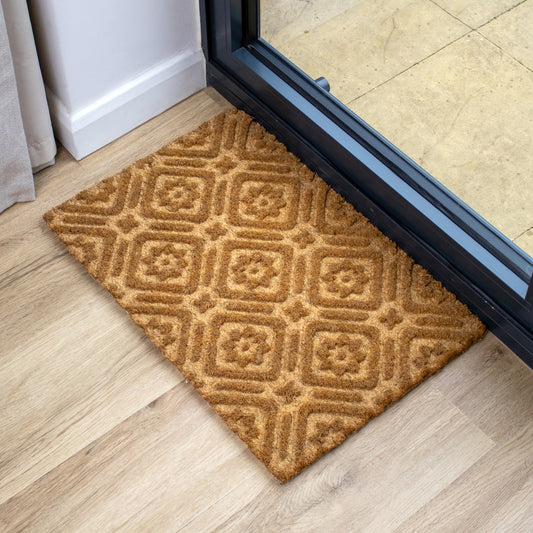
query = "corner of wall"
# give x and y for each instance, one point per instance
(82, 131)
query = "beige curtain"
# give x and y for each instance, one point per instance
(26, 139)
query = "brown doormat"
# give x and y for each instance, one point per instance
(291, 314)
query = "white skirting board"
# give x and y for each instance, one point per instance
(82, 131)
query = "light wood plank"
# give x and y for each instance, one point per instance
(159, 464)
(492, 494)
(181, 451)
(516, 514)
(72, 364)
(491, 387)
(78, 370)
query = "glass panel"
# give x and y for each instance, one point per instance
(450, 83)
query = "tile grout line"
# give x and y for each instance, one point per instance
(430, 55)
(499, 14)
(408, 68)
(508, 54)
(452, 15)
(523, 233)
(479, 28)
(448, 44)
(436, 52)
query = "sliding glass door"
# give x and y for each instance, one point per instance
(453, 89)
(394, 68)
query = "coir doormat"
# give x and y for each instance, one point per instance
(291, 314)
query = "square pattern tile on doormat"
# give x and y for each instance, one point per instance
(291, 314)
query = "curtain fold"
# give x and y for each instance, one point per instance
(26, 138)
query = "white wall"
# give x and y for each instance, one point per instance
(110, 65)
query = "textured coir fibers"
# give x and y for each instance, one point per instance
(291, 314)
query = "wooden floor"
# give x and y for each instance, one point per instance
(98, 432)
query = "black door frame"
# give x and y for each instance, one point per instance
(487, 272)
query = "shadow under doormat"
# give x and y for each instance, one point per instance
(291, 314)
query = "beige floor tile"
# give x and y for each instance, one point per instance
(466, 115)
(372, 42)
(476, 12)
(283, 20)
(513, 32)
